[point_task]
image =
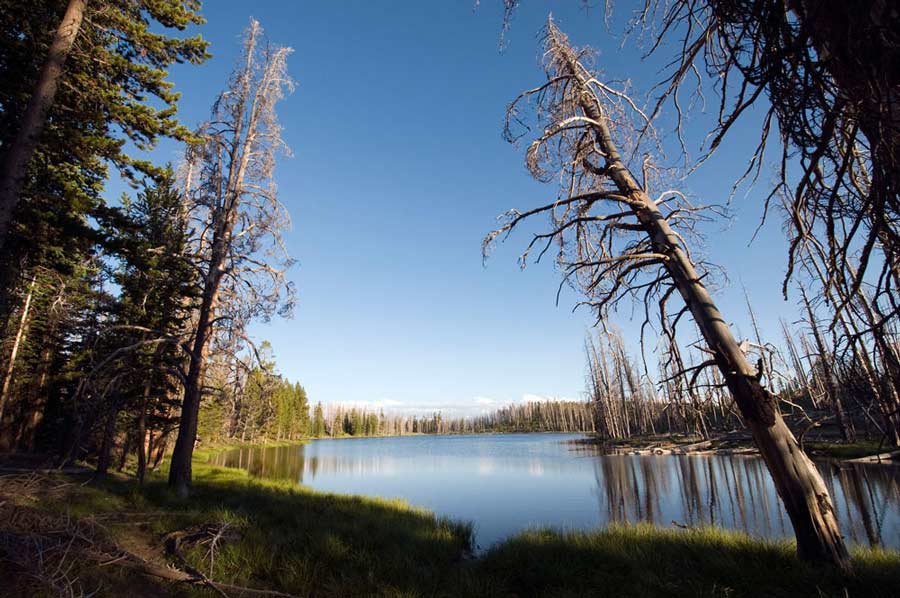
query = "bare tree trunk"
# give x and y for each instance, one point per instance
(796, 478)
(160, 447)
(883, 397)
(126, 448)
(890, 360)
(142, 434)
(826, 365)
(20, 333)
(109, 431)
(22, 147)
(26, 437)
(180, 471)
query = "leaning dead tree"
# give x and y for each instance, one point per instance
(615, 242)
(235, 209)
(826, 76)
(824, 79)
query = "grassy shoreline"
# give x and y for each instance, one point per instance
(279, 536)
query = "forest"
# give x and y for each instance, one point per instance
(132, 323)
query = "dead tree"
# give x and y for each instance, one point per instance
(825, 75)
(236, 210)
(615, 242)
(17, 341)
(826, 364)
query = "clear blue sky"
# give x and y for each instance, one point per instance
(399, 170)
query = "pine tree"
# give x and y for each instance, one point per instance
(158, 289)
(318, 425)
(110, 93)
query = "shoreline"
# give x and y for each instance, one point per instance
(730, 443)
(283, 539)
(279, 539)
(741, 444)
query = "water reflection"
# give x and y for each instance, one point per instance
(511, 482)
(736, 492)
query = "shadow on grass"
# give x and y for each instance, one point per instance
(295, 540)
(308, 543)
(642, 560)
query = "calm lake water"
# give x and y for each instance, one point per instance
(507, 483)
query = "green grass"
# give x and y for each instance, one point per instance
(309, 543)
(292, 538)
(642, 560)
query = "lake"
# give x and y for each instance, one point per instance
(505, 483)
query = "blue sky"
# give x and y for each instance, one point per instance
(399, 170)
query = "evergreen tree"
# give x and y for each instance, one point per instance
(110, 93)
(158, 289)
(318, 425)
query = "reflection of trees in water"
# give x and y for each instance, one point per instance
(293, 463)
(281, 463)
(304, 462)
(730, 491)
(736, 492)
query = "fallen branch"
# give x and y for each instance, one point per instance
(890, 456)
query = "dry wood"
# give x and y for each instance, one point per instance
(609, 262)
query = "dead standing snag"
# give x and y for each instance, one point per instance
(235, 206)
(615, 242)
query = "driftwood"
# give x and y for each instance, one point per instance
(77, 545)
(890, 456)
(172, 574)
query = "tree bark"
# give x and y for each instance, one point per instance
(15, 162)
(240, 149)
(20, 333)
(141, 444)
(109, 431)
(161, 441)
(798, 482)
(180, 471)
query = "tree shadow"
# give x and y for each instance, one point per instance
(642, 560)
(304, 542)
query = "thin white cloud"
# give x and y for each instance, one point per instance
(477, 405)
(533, 398)
(369, 405)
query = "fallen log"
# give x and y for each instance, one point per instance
(890, 456)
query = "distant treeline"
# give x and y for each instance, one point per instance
(262, 406)
(533, 416)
